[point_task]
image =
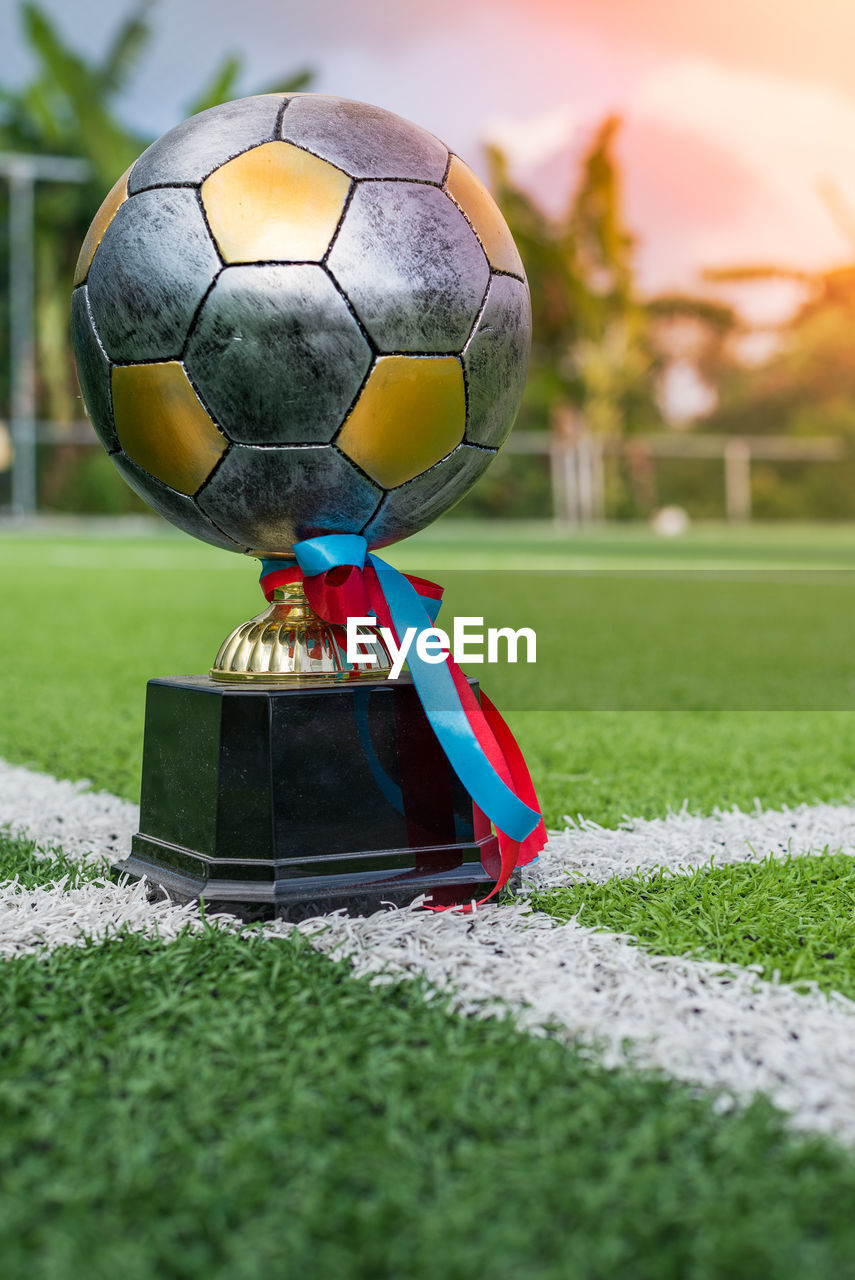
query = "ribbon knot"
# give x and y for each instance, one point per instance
(342, 579)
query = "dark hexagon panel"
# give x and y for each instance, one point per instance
(174, 507)
(415, 504)
(496, 361)
(149, 274)
(276, 355)
(411, 266)
(271, 498)
(364, 141)
(198, 146)
(93, 370)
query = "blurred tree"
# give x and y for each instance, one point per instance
(598, 345)
(592, 346)
(806, 384)
(600, 351)
(70, 108)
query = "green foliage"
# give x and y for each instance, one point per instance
(129, 43)
(794, 918)
(516, 485)
(70, 108)
(69, 105)
(804, 490)
(221, 87)
(92, 484)
(228, 1106)
(804, 387)
(599, 348)
(224, 81)
(807, 385)
(592, 347)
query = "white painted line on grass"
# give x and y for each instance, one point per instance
(586, 851)
(692, 1020)
(91, 824)
(689, 1019)
(695, 1021)
(87, 824)
(33, 920)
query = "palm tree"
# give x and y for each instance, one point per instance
(600, 349)
(805, 385)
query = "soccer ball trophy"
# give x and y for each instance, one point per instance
(301, 329)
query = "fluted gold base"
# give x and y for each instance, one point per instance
(289, 642)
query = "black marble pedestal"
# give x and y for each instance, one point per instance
(291, 801)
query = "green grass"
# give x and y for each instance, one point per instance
(86, 621)
(685, 640)
(42, 865)
(230, 1106)
(462, 544)
(455, 544)
(240, 1108)
(606, 765)
(794, 917)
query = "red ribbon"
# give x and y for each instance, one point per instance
(348, 592)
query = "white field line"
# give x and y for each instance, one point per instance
(692, 1020)
(88, 825)
(695, 1021)
(586, 851)
(53, 916)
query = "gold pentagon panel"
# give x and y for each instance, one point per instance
(274, 203)
(163, 427)
(411, 413)
(114, 199)
(469, 193)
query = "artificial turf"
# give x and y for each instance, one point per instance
(86, 621)
(608, 765)
(32, 865)
(793, 917)
(241, 1107)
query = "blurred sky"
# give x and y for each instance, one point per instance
(737, 112)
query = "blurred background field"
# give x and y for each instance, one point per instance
(89, 617)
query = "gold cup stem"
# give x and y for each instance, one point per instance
(289, 642)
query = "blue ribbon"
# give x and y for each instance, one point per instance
(433, 682)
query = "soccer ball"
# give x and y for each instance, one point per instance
(297, 315)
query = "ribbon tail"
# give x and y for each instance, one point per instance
(503, 751)
(468, 738)
(508, 847)
(343, 579)
(531, 846)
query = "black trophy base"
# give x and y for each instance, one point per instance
(295, 801)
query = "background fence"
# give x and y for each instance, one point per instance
(577, 464)
(578, 468)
